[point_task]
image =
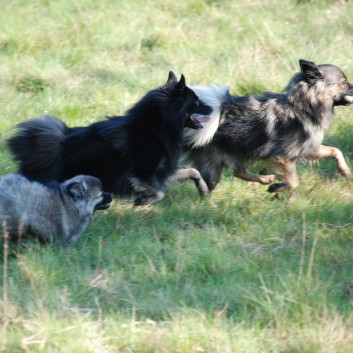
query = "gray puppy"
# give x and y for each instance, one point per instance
(57, 213)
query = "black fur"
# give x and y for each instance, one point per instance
(134, 153)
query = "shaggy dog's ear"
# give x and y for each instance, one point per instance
(171, 78)
(310, 70)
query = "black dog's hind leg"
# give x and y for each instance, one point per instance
(183, 174)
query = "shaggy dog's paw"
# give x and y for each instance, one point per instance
(267, 179)
(278, 187)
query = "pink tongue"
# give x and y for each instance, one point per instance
(200, 118)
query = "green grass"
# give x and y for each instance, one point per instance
(236, 272)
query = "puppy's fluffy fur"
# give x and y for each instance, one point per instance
(57, 213)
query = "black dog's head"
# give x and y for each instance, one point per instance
(327, 80)
(193, 111)
(173, 104)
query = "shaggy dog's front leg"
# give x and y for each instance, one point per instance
(332, 152)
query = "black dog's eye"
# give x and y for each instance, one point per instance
(195, 104)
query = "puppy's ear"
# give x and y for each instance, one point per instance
(310, 70)
(77, 189)
(172, 79)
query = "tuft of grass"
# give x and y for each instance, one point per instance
(31, 84)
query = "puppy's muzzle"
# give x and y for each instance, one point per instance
(105, 203)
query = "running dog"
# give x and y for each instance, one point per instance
(57, 213)
(278, 128)
(130, 154)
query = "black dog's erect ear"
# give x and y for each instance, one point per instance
(77, 189)
(310, 69)
(171, 78)
(180, 86)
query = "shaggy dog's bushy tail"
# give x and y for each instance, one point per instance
(38, 145)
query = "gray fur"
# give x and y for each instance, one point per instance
(58, 213)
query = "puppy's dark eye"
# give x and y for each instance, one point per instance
(343, 82)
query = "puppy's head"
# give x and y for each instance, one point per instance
(87, 194)
(329, 80)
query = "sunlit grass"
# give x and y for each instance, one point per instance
(238, 271)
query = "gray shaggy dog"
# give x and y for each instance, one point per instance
(57, 213)
(278, 128)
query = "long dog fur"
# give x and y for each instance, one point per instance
(278, 128)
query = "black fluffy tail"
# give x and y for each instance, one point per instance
(37, 146)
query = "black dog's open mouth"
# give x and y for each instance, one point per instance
(105, 203)
(196, 121)
(199, 118)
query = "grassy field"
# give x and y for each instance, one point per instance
(238, 272)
